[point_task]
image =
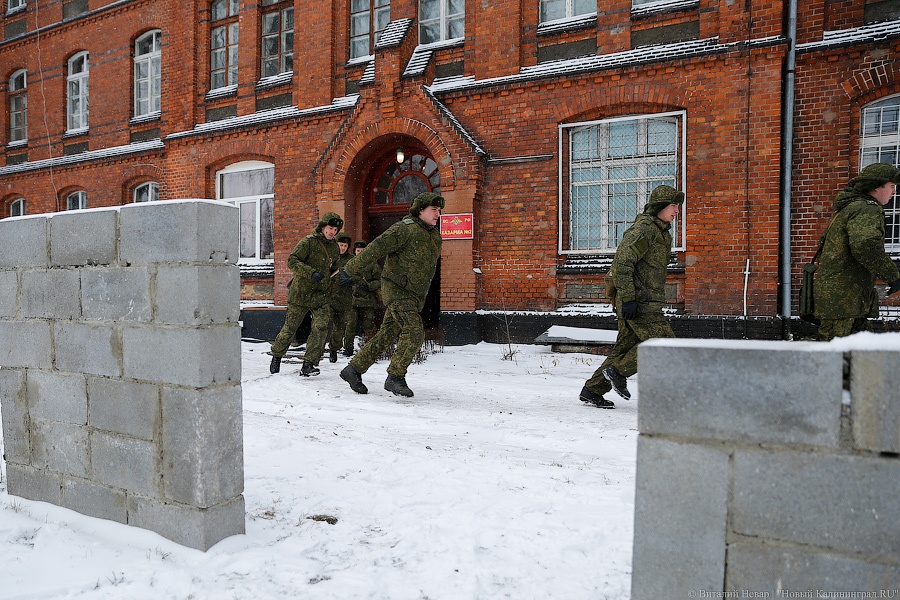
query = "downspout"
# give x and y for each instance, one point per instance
(787, 161)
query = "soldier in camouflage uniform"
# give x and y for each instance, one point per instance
(411, 249)
(312, 262)
(341, 299)
(365, 298)
(637, 288)
(853, 255)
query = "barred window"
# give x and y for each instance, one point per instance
(561, 9)
(441, 20)
(368, 18)
(223, 59)
(277, 38)
(880, 142)
(18, 106)
(147, 61)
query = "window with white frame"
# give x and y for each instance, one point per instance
(18, 106)
(147, 65)
(250, 186)
(223, 52)
(880, 142)
(441, 20)
(76, 200)
(146, 192)
(368, 18)
(561, 9)
(277, 38)
(14, 4)
(612, 167)
(77, 93)
(17, 207)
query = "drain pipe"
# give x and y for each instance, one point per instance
(787, 162)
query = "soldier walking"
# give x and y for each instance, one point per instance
(365, 298)
(341, 300)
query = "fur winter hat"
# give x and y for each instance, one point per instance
(661, 197)
(343, 237)
(332, 219)
(423, 201)
(874, 176)
(359, 244)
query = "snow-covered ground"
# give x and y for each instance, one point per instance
(494, 481)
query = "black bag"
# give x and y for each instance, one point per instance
(807, 298)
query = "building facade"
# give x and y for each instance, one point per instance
(545, 124)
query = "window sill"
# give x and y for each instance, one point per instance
(17, 145)
(222, 92)
(274, 81)
(567, 24)
(360, 60)
(148, 118)
(74, 133)
(663, 6)
(14, 11)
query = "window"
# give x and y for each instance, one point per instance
(277, 38)
(76, 200)
(146, 192)
(880, 142)
(77, 93)
(368, 18)
(250, 186)
(561, 9)
(18, 106)
(147, 57)
(400, 182)
(223, 59)
(441, 20)
(613, 165)
(17, 207)
(14, 4)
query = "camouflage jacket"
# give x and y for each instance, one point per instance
(371, 274)
(313, 253)
(852, 258)
(638, 270)
(341, 298)
(411, 250)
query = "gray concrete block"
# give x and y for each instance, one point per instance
(60, 447)
(94, 500)
(24, 242)
(199, 528)
(777, 569)
(55, 396)
(847, 503)
(199, 357)
(680, 518)
(126, 463)
(756, 392)
(14, 411)
(204, 428)
(36, 354)
(183, 231)
(84, 237)
(121, 406)
(51, 294)
(90, 348)
(875, 400)
(116, 294)
(198, 295)
(34, 484)
(9, 294)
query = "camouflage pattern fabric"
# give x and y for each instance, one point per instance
(832, 328)
(403, 324)
(341, 305)
(364, 302)
(360, 317)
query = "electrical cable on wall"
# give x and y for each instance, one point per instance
(37, 29)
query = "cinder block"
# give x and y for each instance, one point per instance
(204, 429)
(199, 528)
(14, 410)
(9, 293)
(751, 391)
(34, 484)
(183, 356)
(126, 463)
(777, 569)
(36, 354)
(875, 400)
(847, 503)
(198, 295)
(85, 237)
(121, 406)
(53, 294)
(183, 231)
(94, 500)
(60, 447)
(88, 348)
(60, 397)
(24, 242)
(116, 294)
(680, 518)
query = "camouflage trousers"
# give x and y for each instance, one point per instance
(339, 336)
(624, 353)
(402, 324)
(832, 328)
(315, 343)
(361, 316)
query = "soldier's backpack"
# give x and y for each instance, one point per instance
(807, 304)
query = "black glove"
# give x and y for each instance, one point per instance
(364, 286)
(344, 280)
(630, 310)
(317, 277)
(895, 287)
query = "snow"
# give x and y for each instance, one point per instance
(494, 481)
(584, 334)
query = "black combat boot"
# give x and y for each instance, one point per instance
(596, 399)
(332, 356)
(275, 365)
(398, 386)
(619, 383)
(308, 369)
(348, 351)
(352, 376)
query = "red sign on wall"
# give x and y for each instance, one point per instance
(456, 227)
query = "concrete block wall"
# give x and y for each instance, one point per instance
(120, 372)
(766, 470)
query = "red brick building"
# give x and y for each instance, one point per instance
(546, 121)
